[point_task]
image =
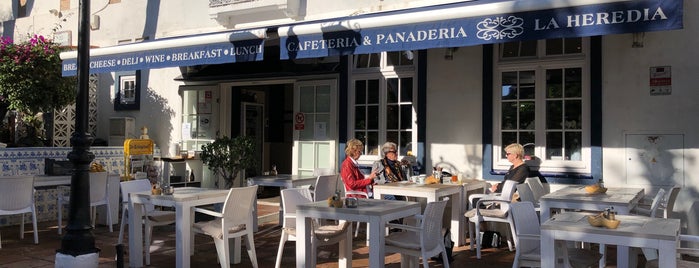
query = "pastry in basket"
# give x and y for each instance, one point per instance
(595, 189)
(431, 180)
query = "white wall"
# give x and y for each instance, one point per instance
(628, 106)
(160, 110)
(454, 109)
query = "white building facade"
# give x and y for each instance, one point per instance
(595, 90)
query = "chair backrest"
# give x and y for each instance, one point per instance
(16, 193)
(432, 224)
(537, 187)
(133, 186)
(670, 201)
(98, 186)
(325, 186)
(525, 192)
(526, 223)
(323, 171)
(290, 199)
(238, 208)
(656, 202)
(508, 190)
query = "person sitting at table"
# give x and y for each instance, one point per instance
(519, 171)
(389, 168)
(351, 176)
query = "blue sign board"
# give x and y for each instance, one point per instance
(213, 53)
(578, 21)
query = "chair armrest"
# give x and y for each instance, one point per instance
(357, 193)
(690, 238)
(404, 227)
(209, 212)
(642, 211)
(478, 204)
(481, 196)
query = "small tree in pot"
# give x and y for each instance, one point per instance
(227, 157)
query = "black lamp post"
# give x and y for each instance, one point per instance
(79, 239)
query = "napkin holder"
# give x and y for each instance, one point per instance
(335, 201)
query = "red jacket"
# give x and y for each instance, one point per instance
(352, 177)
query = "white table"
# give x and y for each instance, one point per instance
(376, 212)
(633, 231)
(574, 197)
(433, 192)
(283, 181)
(183, 200)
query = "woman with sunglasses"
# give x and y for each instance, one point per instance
(389, 168)
(519, 171)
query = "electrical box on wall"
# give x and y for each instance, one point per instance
(120, 129)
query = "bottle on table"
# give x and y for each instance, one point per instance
(274, 170)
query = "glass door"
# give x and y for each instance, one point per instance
(200, 116)
(315, 126)
(253, 125)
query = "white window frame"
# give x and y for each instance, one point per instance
(381, 73)
(540, 64)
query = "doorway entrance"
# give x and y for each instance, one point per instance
(269, 112)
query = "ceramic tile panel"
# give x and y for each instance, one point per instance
(30, 161)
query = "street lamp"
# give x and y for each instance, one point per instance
(78, 244)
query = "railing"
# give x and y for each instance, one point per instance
(218, 3)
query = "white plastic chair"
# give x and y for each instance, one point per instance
(17, 197)
(99, 196)
(649, 252)
(424, 240)
(666, 204)
(528, 243)
(682, 251)
(321, 235)
(498, 214)
(525, 193)
(354, 193)
(325, 186)
(235, 221)
(537, 187)
(152, 216)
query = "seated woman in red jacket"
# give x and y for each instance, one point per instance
(351, 176)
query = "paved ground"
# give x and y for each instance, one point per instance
(23, 253)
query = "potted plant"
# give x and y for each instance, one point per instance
(227, 157)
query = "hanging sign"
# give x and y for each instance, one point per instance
(660, 80)
(299, 120)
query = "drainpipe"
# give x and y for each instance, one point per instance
(78, 244)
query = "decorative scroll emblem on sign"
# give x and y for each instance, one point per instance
(500, 28)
